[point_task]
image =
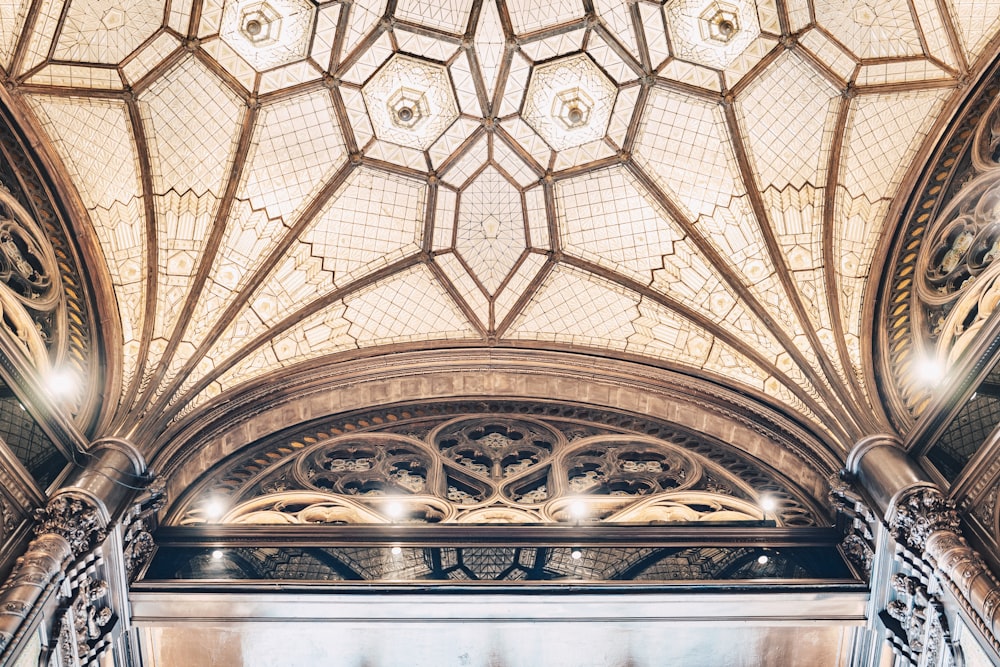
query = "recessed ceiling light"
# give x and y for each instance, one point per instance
(569, 102)
(62, 383)
(714, 33)
(268, 34)
(410, 101)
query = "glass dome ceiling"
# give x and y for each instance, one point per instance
(703, 186)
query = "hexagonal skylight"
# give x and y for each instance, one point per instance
(410, 101)
(569, 102)
(712, 32)
(268, 33)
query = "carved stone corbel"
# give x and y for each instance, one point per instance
(137, 527)
(920, 632)
(858, 519)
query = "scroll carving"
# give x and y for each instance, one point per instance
(497, 468)
(84, 630)
(137, 527)
(90, 617)
(925, 523)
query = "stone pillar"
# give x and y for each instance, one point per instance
(921, 518)
(72, 524)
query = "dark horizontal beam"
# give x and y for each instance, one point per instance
(758, 533)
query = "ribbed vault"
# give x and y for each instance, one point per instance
(265, 189)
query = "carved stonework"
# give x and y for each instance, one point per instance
(939, 297)
(38, 260)
(919, 632)
(855, 519)
(137, 527)
(83, 634)
(985, 509)
(44, 560)
(502, 461)
(89, 617)
(8, 520)
(495, 469)
(74, 519)
(920, 512)
(30, 291)
(138, 552)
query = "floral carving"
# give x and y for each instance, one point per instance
(90, 616)
(920, 630)
(855, 520)
(498, 448)
(533, 492)
(629, 469)
(366, 467)
(137, 524)
(985, 508)
(76, 520)
(920, 512)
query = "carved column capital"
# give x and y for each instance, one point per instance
(923, 521)
(71, 526)
(75, 518)
(919, 512)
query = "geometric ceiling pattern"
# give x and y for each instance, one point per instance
(701, 185)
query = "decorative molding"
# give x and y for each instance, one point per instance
(137, 528)
(941, 264)
(431, 376)
(514, 460)
(83, 631)
(918, 626)
(42, 275)
(918, 513)
(856, 521)
(77, 519)
(32, 580)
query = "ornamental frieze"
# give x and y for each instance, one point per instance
(942, 274)
(520, 462)
(45, 304)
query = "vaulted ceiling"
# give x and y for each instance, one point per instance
(703, 185)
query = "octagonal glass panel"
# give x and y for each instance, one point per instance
(712, 32)
(410, 101)
(569, 102)
(268, 33)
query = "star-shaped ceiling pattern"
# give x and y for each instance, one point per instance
(697, 184)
